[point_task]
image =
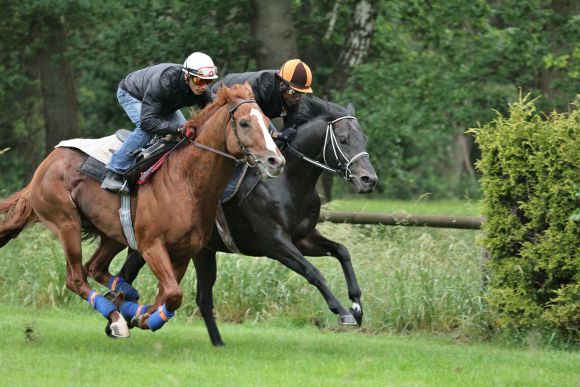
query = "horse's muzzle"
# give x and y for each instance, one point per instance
(365, 183)
(271, 166)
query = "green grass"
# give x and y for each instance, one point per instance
(64, 348)
(412, 279)
(420, 206)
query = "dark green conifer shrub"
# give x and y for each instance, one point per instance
(530, 169)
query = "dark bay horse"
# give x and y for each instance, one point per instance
(173, 214)
(277, 218)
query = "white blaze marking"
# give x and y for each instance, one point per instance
(269, 142)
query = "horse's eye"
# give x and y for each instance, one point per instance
(244, 124)
(342, 139)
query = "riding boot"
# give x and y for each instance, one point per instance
(113, 182)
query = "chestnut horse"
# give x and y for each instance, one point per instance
(173, 214)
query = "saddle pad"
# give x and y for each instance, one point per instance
(99, 148)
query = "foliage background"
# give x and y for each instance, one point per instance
(433, 69)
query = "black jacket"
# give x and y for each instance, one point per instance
(265, 87)
(162, 89)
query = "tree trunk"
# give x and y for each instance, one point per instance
(60, 105)
(354, 52)
(274, 33)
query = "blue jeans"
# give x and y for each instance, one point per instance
(121, 161)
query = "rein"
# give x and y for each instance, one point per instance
(249, 157)
(330, 138)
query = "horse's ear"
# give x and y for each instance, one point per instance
(219, 85)
(228, 93)
(249, 87)
(350, 109)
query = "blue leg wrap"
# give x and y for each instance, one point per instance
(100, 303)
(159, 318)
(130, 309)
(119, 284)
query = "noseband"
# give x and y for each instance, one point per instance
(343, 162)
(249, 157)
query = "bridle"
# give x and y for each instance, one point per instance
(249, 158)
(343, 162)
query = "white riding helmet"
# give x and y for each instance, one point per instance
(200, 65)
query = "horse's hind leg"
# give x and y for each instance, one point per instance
(316, 245)
(98, 268)
(206, 270)
(57, 211)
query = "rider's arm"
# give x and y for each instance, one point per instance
(157, 93)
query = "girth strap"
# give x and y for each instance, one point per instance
(125, 216)
(224, 230)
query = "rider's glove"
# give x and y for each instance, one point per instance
(287, 135)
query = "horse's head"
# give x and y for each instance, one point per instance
(333, 136)
(249, 137)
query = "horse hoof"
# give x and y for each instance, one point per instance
(357, 313)
(347, 319)
(139, 321)
(118, 329)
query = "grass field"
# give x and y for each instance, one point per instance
(426, 321)
(61, 348)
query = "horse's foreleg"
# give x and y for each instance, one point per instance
(206, 271)
(284, 251)
(316, 245)
(133, 264)
(170, 294)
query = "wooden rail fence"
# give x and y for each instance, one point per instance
(441, 221)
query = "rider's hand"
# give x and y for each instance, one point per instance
(287, 135)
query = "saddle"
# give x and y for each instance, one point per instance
(144, 158)
(100, 151)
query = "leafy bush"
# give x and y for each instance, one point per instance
(530, 166)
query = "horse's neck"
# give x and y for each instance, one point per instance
(204, 171)
(302, 174)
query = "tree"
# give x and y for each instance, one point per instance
(274, 32)
(352, 54)
(57, 84)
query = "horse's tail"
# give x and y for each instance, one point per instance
(17, 213)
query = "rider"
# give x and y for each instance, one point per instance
(152, 97)
(277, 92)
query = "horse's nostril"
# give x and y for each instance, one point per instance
(369, 180)
(273, 161)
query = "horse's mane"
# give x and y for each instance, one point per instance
(195, 122)
(313, 107)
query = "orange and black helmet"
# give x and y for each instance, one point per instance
(297, 75)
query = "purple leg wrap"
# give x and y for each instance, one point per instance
(159, 318)
(130, 309)
(100, 303)
(119, 284)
